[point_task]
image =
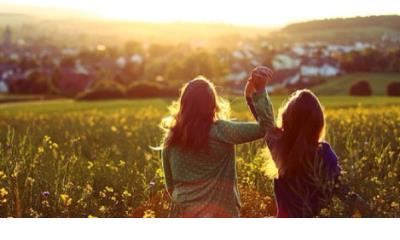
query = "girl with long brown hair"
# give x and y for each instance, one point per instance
(308, 169)
(199, 147)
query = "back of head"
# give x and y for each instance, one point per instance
(302, 123)
(194, 114)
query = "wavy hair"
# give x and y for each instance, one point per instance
(191, 117)
(302, 126)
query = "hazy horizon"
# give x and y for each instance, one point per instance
(232, 13)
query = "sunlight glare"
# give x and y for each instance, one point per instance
(249, 12)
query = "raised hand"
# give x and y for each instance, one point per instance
(260, 76)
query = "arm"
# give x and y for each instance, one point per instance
(167, 172)
(248, 92)
(256, 83)
(352, 199)
(341, 190)
(242, 132)
(250, 104)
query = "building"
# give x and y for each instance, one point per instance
(3, 87)
(285, 61)
(323, 67)
(237, 76)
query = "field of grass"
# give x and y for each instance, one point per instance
(237, 103)
(81, 159)
(12, 98)
(341, 85)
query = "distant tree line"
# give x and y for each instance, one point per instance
(388, 21)
(160, 72)
(371, 60)
(163, 69)
(112, 90)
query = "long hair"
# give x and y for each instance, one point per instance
(302, 124)
(199, 106)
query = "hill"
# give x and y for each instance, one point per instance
(344, 29)
(341, 85)
(79, 29)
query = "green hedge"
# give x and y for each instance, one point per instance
(361, 88)
(112, 90)
(393, 89)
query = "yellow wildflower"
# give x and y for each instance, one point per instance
(40, 149)
(149, 214)
(102, 209)
(65, 199)
(3, 192)
(109, 189)
(46, 138)
(30, 181)
(126, 194)
(147, 156)
(121, 163)
(102, 194)
(90, 165)
(2, 175)
(88, 189)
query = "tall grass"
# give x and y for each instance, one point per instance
(99, 163)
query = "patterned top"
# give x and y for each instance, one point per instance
(204, 184)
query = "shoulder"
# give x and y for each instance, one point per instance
(328, 155)
(326, 149)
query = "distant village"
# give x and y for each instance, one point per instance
(74, 70)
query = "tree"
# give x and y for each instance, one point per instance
(146, 90)
(267, 53)
(132, 71)
(67, 62)
(132, 47)
(393, 89)
(197, 62)
(361, 88)
(35, 83)
(103, 89)
(158, 50)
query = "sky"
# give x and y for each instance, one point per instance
(243, 12)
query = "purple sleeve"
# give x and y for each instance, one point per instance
(343, 191)
(331, 160)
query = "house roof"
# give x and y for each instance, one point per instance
(318, 62)
(72, 81)
(281, 75)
